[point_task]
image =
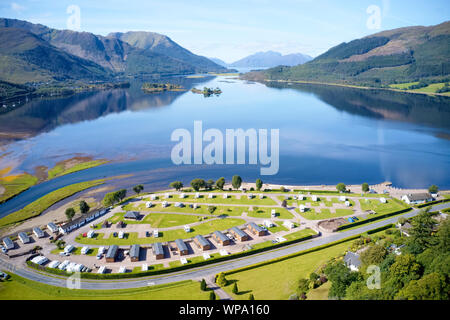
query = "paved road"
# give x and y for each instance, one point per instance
(209, 270)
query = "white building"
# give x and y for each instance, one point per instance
(156, 233)
(85, 250)
(383, 200)
(210, 196)
(342, 198)
(197, 195)
(148, 204)
(182, 196)
(314, 198)
(417, 198)
(300, 197)
(268, 224)
(187, 228)
(289, 224)
(302, 208)
(347, 203)
(52, 227)
(225, 196)
(153, 197)
(165, 204)
(273, 213)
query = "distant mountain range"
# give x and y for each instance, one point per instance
(33, 52)
(266, 59)
(399, 55)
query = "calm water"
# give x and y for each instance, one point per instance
(327, 135)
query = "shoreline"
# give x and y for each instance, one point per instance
(433, 94)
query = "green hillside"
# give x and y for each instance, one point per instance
(394, 56)
(24, 57)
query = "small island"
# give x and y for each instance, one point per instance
(207, 92)
(160, 87)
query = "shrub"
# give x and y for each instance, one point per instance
(212, 295)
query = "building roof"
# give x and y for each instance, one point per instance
(131, 215)
(134, 250)
(158, 248)
(419, 196)
(255, 227)
(52, 226)
(38, 231)
(239, 232)
(352, 259)
(23, 236)
(201, 239)
(181, 245)
(221, 236)
(112, 251)
(8, 242)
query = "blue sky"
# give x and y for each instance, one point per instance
(233, 29)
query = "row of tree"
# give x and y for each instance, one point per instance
(83, 206)
(198, 184)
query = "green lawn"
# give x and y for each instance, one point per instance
(18, 288)
(260, 212)
(218, 199)
(299, 234)
(59, 170)
(201, 209)
(92, 252)
(280, 278)
(37, 207)
(378, 207)
(320, 293)
(157, 220)
(16, 185)
(314, 214)
(132, 237)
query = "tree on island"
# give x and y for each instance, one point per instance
(259, 184)
(341, 187)
(220, 183)
(70, 212)
(177, 185)
(433, 189)
(197, 184)
(84, 207)
(138, 189)
(365, 187)
(236, 182)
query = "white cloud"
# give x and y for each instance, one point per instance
(17, 7)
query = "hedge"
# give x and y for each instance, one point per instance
(296, 254)
(168, 270)
(432, 203)
(378, 217)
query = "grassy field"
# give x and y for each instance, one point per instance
(218, 199)
(18, 288)
(201, 209)
(378, 207)
(157, 220)
(16, 184)
(170, 235)
(259, 212)
(280, 278)
(320, 199)
(320, 293)
(37, 207)
(313, 214)
(59, 170)
(299, 234)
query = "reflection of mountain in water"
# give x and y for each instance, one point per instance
(383, 104)
(43, 115)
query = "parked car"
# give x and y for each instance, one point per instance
(115, 234)
(99, 256)
(4, 276)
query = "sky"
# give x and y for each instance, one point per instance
(233, 29)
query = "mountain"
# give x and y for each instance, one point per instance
(114, 55)
(271, 59)
(219, 62)
(161, 44)
(399, 55)
(26, 57)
